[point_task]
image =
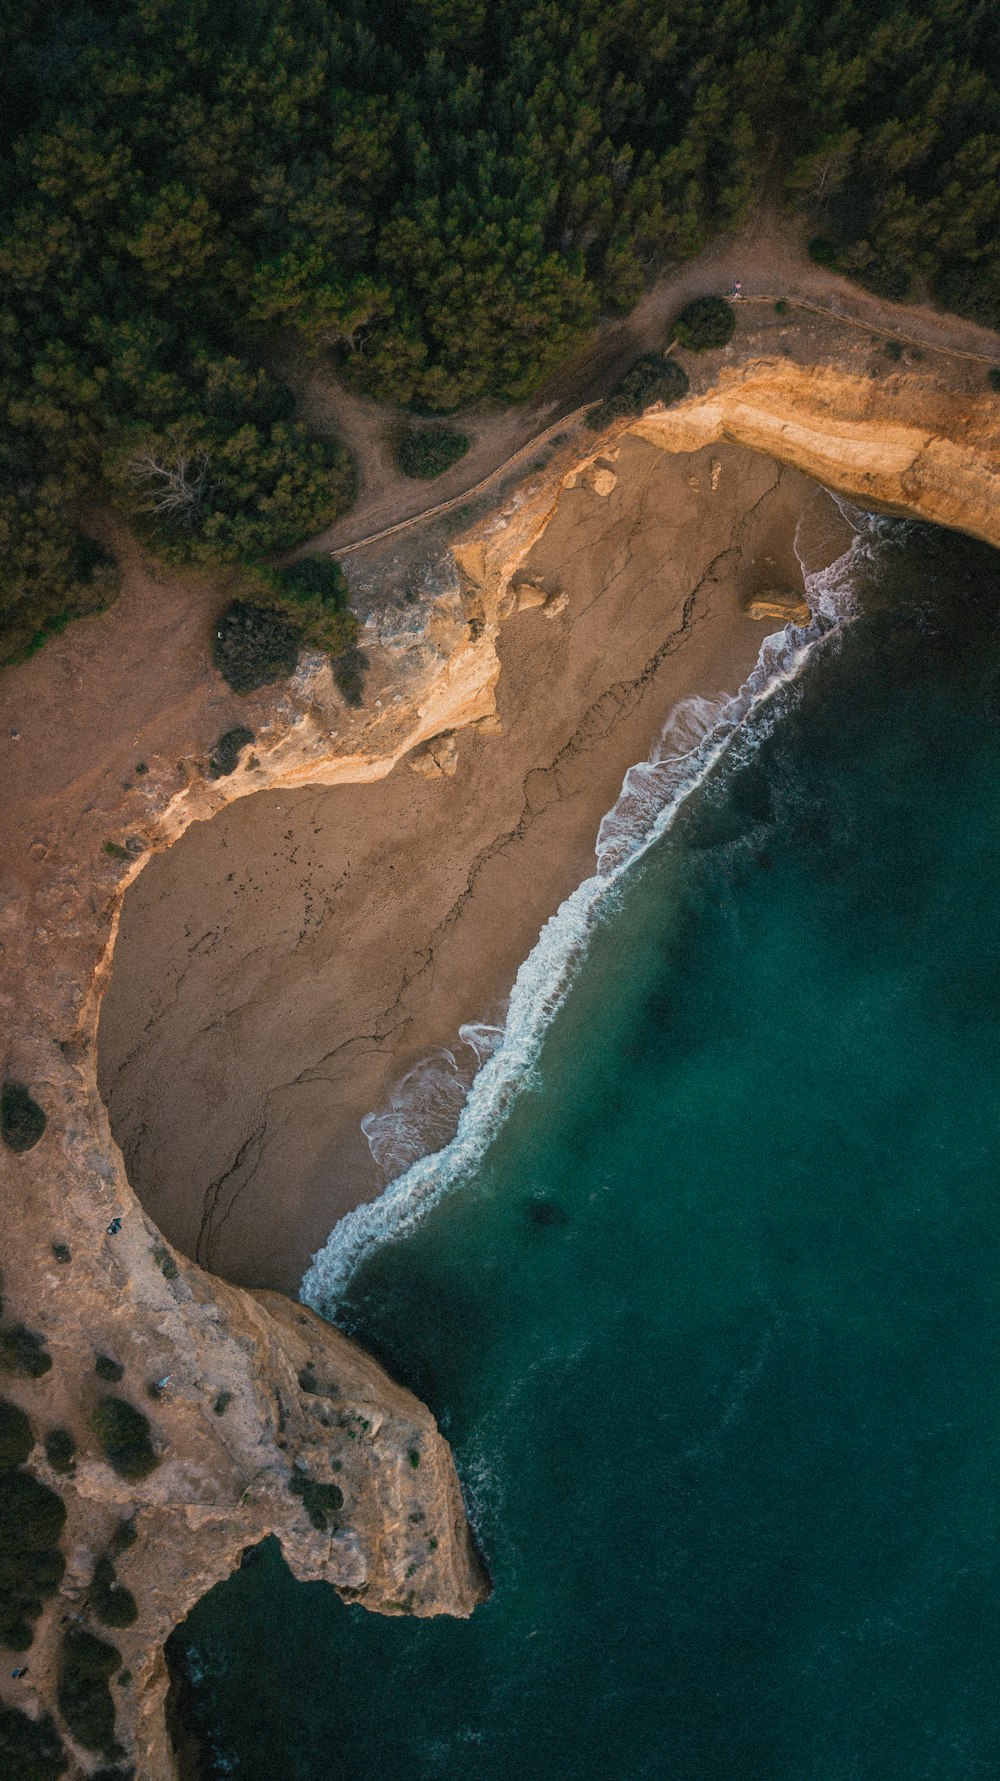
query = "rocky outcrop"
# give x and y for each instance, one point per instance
(251, 1399)
(784, 605)
(251, 1394)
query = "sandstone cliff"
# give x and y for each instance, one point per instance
(298, 1396)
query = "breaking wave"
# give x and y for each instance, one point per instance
(436, 1124)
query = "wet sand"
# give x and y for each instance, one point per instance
(283, 965)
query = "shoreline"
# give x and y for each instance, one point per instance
(280, 970)
(693, 743)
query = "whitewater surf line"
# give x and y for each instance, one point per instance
(697, 734)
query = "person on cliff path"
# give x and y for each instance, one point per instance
(114, 1227)
(737, 291)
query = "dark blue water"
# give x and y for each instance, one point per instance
(715, 1329)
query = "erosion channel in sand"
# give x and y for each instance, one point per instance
(284, 966)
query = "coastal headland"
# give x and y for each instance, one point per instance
(537, 660)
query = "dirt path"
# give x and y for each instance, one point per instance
(769, 258)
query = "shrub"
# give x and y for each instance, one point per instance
(124, 1535)
(426, 452)
(116, 1607)
(320, 1501)
(22, 1120)
(314, 594)
(652, 378)
(782, 306)
(307, 1378)
(166, 1264)
(31, 1565)
(16, 1438)
(60, 1450)
(823, 250)
(31, 1515)
(993, 377)
(109, 1369)
(222, 1403)
(62, 1252)
(21, 1352)
(894, 350)
(414, 1457)
(124, 1434)
(30, 1749)
(349, 674)
(226, 754)
(115, 850)
(84, 1696)
(705, 323)
(255, 645)
(113, 1604)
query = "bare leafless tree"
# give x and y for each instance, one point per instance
(176, 486)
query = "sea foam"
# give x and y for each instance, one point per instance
(423, 1105)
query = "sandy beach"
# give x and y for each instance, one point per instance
(284, 964)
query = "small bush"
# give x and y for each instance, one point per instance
(166, 1264)
(62, 1252)
(117, 1607)
(226, 753)
(22, 1120)
(307, 1378)
(782, 306)
(894, 350)
(124, 1535)
(349, 674)
(414, 1457)
(255, 645)
(60, 1450)
(312, 597)
(115, 850)
(113, 1604)
(109, 1369)
(222, 1403)
(823, 250)
(320, 1501)
(705, 323)
(84, 1696)
(651, 379)
(426, 452)
(21, 1352)
(314, 581)
(124, 1434)
(993, 377)
(30, 1749)
(16, 1438)
(31, 1565)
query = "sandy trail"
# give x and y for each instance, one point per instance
(280, 967)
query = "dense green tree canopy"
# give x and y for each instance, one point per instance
(442, 193)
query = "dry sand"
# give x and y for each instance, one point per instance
(282, 966)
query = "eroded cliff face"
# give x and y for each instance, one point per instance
(250, 1390)
(906, 444)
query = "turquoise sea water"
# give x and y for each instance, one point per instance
(714, 1325)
